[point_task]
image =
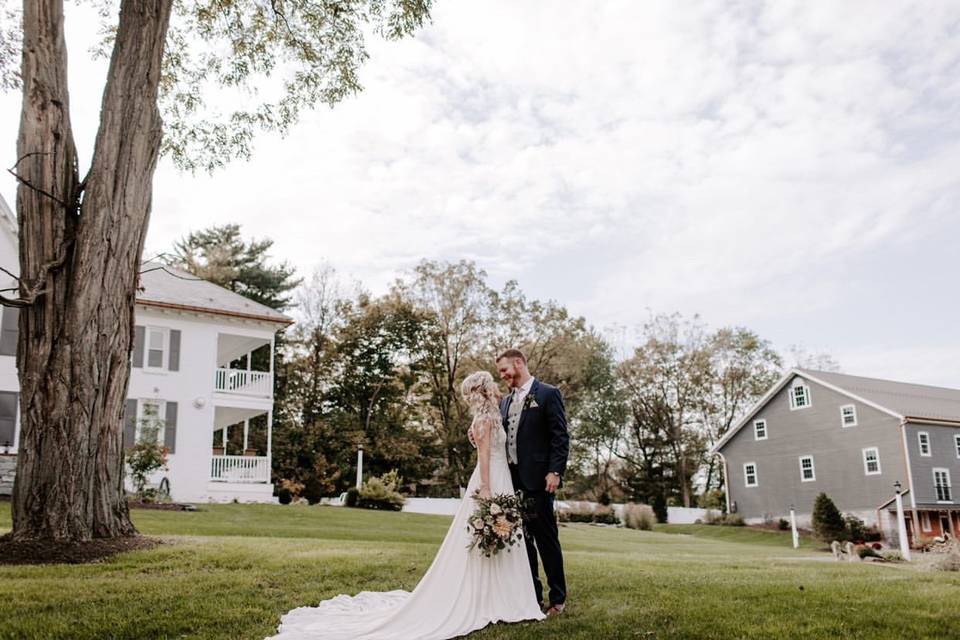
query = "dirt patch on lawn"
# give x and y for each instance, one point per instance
(50, 552)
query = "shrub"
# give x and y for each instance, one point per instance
(284, 496)
(660, 508)
(867, 552)
(729, 519)
(828, 524)
(783, 525)
(872, 534)
(145, 457)
(638, 516)
(576, 513)
(855, 529)
(733, 520)
(892, 555)
(377, 494)
(605, 515)
(713, 499)
(353, 496)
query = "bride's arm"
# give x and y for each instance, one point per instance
(481, 435)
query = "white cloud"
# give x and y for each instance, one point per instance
(732, 159)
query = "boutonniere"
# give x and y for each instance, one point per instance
(530, 402)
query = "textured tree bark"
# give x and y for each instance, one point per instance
(75, 339)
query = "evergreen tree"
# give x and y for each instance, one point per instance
(828, 523)
(219, 254)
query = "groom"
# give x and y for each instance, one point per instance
(537, 450)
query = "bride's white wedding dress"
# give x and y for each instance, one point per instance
(462, 591)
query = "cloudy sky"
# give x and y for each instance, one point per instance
(792, 168)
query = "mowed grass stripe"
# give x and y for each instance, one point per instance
(230, 571)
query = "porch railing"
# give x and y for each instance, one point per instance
(243, 382)
(240, 469)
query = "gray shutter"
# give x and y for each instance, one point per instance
(139, 336)
(130, 423)
(170, 428)
(8, 417)
(9, 331)
(174, 359)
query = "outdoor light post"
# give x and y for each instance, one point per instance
(901, 524)
(793, 527)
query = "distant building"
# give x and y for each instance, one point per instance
(192, 372)
(851, 438)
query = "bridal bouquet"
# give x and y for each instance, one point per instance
(496, 523)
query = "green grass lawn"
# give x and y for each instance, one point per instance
(230, 571)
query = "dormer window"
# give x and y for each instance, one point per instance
(799, 396)
(759, 429)
(848, 416)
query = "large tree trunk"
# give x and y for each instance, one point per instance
(75, 338)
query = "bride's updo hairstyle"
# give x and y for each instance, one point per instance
(479, 391)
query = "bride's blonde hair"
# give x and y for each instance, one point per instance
(480, 392)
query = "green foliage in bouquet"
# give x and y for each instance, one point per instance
(496, 524)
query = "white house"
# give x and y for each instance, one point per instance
(201, 368)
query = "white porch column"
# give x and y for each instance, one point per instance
(225, 427)
(269, 433)
(246, 434)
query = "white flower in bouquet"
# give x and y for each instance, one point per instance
(495, 509)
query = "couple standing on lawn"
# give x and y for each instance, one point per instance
(522, 444)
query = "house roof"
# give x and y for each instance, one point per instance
(903, 400)
(169, 287)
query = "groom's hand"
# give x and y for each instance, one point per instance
(553, 481)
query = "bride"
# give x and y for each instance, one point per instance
(462, 591)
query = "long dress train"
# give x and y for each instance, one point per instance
(462, 591)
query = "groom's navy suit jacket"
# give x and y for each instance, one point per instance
(543, 443)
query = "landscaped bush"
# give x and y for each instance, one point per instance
(660, 508)
(381, 493)
(856, 530)
(284, 496)
(828, 524)
(783, 525)
(729, 519)
(867, 552)
(145, 457)
(872, 534)
(605, 515)
(892, 555)
(576, 512)
(353, 497)
(638, 516)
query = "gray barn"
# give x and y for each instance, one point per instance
(851, 438)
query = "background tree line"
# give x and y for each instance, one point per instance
(384, 371)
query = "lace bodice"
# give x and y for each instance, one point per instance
(489, 421)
